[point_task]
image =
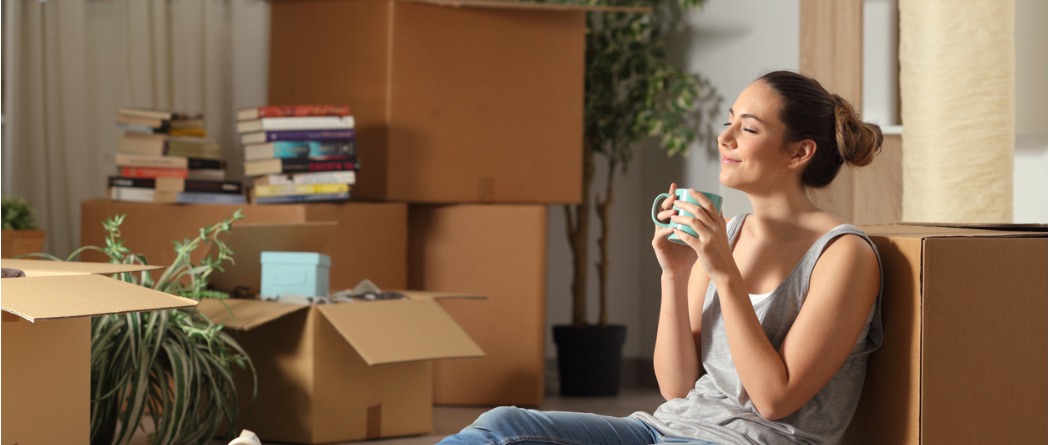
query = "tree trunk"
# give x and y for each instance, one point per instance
(603, 243)
(577, 232)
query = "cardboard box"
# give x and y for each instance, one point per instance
(342, 372)
(368, 239)
(499, 251)
(964, 356)
(454, 101)
(46, 344)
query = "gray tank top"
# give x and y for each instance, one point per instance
(718, 408)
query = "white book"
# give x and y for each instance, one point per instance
(333, 177)
(296, 123)
(132, 194)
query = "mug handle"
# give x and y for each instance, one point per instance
(656, 205)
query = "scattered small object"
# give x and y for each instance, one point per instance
(13, 273)
(246, 438)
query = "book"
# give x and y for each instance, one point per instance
(300, 189)
(157, 124)
(297, 135)
(132, 194)
(345, 177)
(194, 147)
(301, 149)
(173, 184)
(143, 144)
(145, 112)
(290, 165)
(205, 164)
(296, 123)
(167, 196)
(151, 172)
(302, 198)
(131, 182)
(292, 110)
(135, 160)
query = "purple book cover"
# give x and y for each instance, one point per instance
(309, 135)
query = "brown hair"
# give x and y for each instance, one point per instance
(810, 112)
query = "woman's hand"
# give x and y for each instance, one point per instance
(674, 259)
(711, 245)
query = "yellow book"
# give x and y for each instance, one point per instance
(300, 189)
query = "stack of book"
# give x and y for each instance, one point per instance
(159, 144)
(298, 153)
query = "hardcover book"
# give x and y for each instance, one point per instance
(300, 189)
(259, 137)
(143, 144)
(286, 165)
(152, 172)
(296, 123)
(345, 177)
(134, 160)
(292, 110)
(302, 198)
(198, 185)
(344, 149)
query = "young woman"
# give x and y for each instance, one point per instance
(766, 321)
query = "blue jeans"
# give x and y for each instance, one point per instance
(510, 425)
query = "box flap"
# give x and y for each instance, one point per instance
(430, 295)
(511, 4)
(245, 315)
(928, 230)
(394, 331)
(54, 297)
(40, 268)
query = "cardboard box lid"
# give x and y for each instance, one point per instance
(382, 332)
(942, 230)
(56, 290)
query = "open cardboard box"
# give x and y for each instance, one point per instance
(337, 372)
(46, 343)
(964, 356)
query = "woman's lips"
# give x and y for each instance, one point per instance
(728, 160)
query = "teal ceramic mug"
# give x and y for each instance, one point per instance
(682, 194)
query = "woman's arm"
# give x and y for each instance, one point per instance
(676, 356)
(843, 287)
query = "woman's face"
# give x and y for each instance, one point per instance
(754, 155)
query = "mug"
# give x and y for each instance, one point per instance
(682, 194)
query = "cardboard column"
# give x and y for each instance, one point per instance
(957, 107)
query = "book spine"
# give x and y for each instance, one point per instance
(300, 189)
(311, 165)
(302, 198)
(209, 198)
(131, 160)
(204, 164)
(205, 186)
(307, 123)
(132, 194)
(345, 177)
(300, 135)
(295, 110)
(314, 149)
(132, 182)
(152, 172)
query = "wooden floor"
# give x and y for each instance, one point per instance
(448, 419)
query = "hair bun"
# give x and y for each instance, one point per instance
(858, 141)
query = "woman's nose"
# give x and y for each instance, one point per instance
(725, 139)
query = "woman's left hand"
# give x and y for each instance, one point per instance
(711, 243)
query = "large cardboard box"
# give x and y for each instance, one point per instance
(477, 101)
(965, 352)
(499, 251)
(368, 239)
(342, 372)
(46, 344)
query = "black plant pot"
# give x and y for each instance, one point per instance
(589, 359)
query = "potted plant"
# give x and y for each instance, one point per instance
(175, 365)
(20, 233)
(632, 94)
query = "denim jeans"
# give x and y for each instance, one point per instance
(510, 425)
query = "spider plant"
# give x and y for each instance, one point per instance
(176, 365)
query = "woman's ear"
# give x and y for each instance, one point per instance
(801, 152)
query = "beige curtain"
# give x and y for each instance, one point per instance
(69, 64)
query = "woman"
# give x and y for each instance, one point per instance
(765, 322)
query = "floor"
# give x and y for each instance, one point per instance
(448, 420)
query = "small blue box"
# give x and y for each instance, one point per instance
(294, 273)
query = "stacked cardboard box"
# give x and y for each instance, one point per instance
(477, 105)
(964, 312)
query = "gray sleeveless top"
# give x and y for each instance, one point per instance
(718, 408)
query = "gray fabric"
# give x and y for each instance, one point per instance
(718, 408)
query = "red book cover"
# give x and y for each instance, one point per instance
(292, 111)
(153, 172)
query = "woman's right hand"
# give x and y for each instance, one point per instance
(674, 259)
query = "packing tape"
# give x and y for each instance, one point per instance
(374, 421)
(957, 108)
